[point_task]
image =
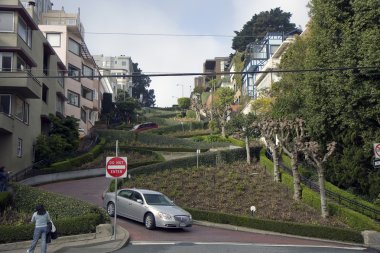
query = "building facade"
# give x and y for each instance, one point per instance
(31, 85)
(65, 33)
(120, 68)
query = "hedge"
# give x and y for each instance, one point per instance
(127, 138)
(206, 159)
(66, 226)
(186, 126)
(76, 161)
(316, 231)
(355, 220)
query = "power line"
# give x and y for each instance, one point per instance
(157, 74)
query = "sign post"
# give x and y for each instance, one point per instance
(198, 151)
(116, 167)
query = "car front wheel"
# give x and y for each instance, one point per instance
(111, 209)
(149, 221)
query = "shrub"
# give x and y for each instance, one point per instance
(66, 226)
(76, 162)
(5, 200)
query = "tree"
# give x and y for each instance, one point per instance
(341, 106)
(315, 155)
(196, 105)
(269, 128)
(62, 137)
(126, 109)
(140, 89)
(242, 125)
(255, 29)
(224, 97)
(184, 103)
(292, 138)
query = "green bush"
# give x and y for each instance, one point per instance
(280, 227)
(5, 200)
(71, 216)
(26, 198)
(353, 219)
(66, 226)
(191, 114)
(76, 162)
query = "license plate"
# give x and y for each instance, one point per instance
(182, 224)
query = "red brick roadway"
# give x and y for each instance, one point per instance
(91, 190)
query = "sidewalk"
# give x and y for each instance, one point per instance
(99, 242)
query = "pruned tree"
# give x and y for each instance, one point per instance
(291, 135)
(196, 105)
(242, 124)
(269, 129)
(222, 106)
(318, 157)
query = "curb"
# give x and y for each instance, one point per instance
(251, 230)
(101, 241)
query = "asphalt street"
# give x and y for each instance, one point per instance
(167, 247)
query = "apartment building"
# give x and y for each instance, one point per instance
(31, 85)
(65, 33)
(119, 67)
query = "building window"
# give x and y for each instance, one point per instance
(87, 93)
(6, 21)
(123, 63)
(45, 92)
(54, 39)
(26, 113)
(74, 72)
(21, 65)
(21, 110)
(74, 47)
(6, 61)
(19, 147)
(25, 32)
(61, 78)
(73, 98)
(83, 115)
(5, 104)
(88, 72)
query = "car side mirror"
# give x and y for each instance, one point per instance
(139, 201)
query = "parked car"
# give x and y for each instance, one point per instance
(152, 208)
(144, 126)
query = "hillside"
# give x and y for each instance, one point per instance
(231, 188)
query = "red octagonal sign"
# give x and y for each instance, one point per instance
(116, 167)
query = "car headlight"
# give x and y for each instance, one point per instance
(164, 216)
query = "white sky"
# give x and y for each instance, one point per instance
(165, 53)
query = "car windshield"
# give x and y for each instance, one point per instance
(157, 199)
(135, 127)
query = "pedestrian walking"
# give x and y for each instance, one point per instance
(40, 218)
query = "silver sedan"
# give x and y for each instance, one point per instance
(152, 208)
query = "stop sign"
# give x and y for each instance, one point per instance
(116, 167)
